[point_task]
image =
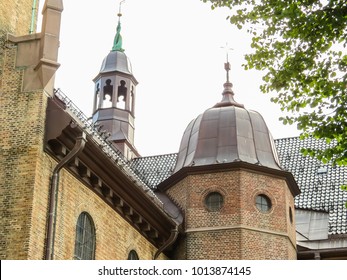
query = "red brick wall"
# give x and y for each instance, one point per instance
(225, 234)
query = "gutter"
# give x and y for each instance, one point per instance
(322, 254)
(53, 197)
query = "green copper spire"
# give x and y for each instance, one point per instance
(117, 42)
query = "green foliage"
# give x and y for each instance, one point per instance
(301, 46)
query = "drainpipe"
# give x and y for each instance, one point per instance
(33, 17)
(317, 255)
(53, 198)
(170, 241)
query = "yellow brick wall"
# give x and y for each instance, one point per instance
(15, 16)
(26, 169)
(21, 138)
(115, 237)
(39, 210)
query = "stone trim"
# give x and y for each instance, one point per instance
(204, 229)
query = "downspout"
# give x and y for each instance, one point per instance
(33, 16)
(169, 242)
(53, 198)
(317, 255)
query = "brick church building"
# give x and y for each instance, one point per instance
(74, 187)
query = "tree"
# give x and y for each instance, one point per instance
(301, 46)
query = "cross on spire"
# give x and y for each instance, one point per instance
(227, 64)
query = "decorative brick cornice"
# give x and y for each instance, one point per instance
(232, 166)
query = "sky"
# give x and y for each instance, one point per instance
(177, 56)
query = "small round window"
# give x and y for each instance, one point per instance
(214, 201)
(263, 203)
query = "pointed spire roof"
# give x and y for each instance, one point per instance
(228, 93)
(116, 60)
(117, 42)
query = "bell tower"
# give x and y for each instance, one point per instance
(114, 98)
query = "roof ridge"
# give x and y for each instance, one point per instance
(283, 138)
(153, 156)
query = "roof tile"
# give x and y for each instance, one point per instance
(319, 183)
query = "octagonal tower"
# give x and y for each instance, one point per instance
(237, 201)
(114, 98)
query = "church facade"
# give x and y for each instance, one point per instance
(74, 187)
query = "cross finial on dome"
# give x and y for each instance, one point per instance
(227, 64)
(227, 69)
(228, 94)
(117, 42)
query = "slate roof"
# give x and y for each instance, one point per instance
(154, 169)
(319, 183)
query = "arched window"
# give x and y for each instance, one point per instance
(85, 238)
(108, 94)
(122, 95)
(133, 255)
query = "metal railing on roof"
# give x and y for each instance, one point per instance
(100, 138)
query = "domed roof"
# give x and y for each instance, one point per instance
(227, 133)
(116, 61)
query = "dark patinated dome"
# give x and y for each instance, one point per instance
(227, 133)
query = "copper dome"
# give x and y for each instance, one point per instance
(227, 133)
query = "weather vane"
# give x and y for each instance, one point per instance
(120, 8)
(117, 42)
(227, 64)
